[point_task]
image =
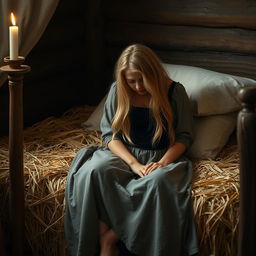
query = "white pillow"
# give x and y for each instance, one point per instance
(93, 122)
(211, 93)
(211, 133)
(215, 95)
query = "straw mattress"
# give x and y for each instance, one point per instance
(49, 148)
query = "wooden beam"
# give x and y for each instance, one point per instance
(184, 38)
(230, 63)
(214, 13)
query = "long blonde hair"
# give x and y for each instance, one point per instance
(140, 58)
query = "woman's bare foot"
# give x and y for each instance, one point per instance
(103, 227)
(108, 243)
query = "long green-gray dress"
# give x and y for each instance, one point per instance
(152, 215)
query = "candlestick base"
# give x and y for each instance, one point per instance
(14, 65)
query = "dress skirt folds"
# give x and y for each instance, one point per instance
(152, 215)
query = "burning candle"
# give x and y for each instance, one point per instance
(14, 39)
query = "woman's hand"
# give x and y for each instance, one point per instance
(138, 169)
(143, 170)
(119, 149)
(150, 167)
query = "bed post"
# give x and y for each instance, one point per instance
(246, 135)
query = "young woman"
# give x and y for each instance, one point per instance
(136, 188)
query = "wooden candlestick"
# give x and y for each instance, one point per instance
(15, 71)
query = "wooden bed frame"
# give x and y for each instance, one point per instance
(246, 135)
(196, 33)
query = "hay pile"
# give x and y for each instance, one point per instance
(215, 194)
(49, 148)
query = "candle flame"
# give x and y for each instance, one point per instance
(13, 19)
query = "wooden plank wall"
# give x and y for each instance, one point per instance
(73, 62)
(213, 34)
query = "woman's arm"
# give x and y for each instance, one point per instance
(173, 153)
(182, 110)
(116, 145)
(119, 149)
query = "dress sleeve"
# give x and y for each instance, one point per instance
(183, 115)
(108, 114)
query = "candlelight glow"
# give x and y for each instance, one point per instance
(13, 19)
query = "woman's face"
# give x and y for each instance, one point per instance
(135, 80)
